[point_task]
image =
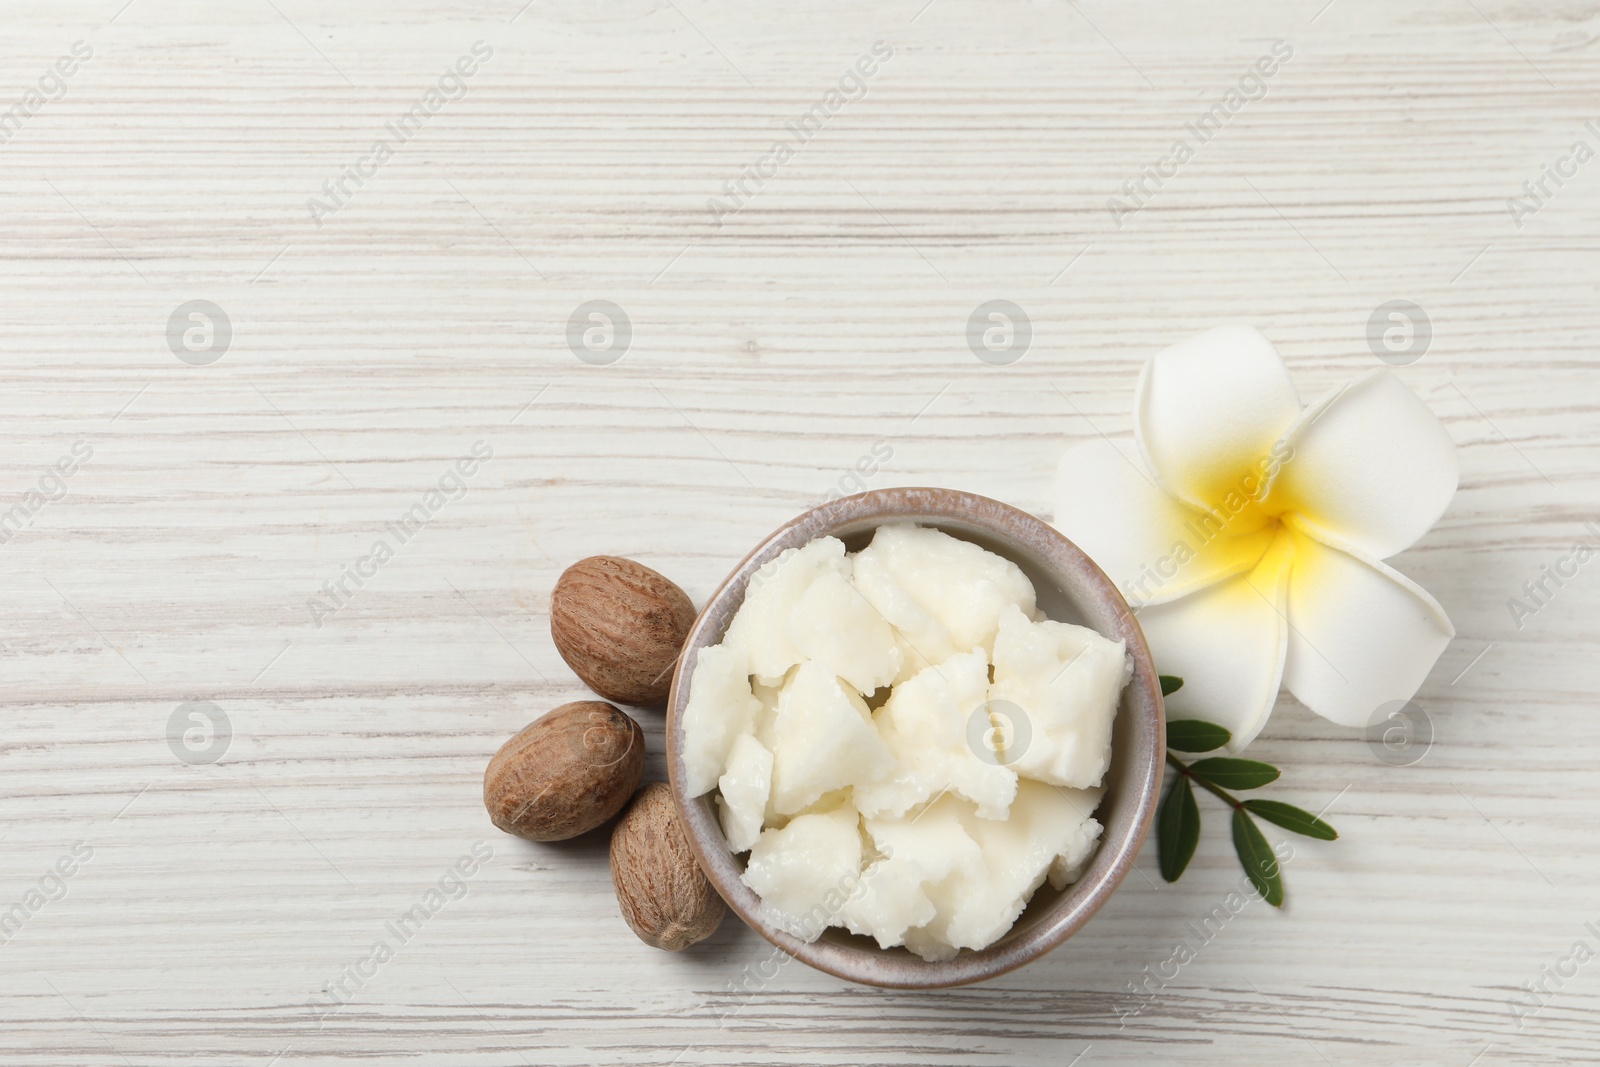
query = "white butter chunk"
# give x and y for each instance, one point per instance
(975, 909)
(926, 724)
(767, 717)
(745, 787)
(914, 853)
(823, 740)
(721, 707)
(766, 730)
(929, 946)
(760, 625)
(806, 872)
(923, 640)
(835, 626)
(1070, 865)
(1066, 680)
(964, 588)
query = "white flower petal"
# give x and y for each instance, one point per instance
(1209, 411)
(1360, 633)
(1372, 466)
(1228, 644)
(1154, 548)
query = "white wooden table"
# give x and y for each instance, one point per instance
(212, 904)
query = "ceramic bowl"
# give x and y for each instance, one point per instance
(1070, 589)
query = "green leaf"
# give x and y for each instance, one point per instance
(1179, 830)
(1260, 865)
(1170, 683)
(1292, 818)
(1193, 735)
(1224, 772)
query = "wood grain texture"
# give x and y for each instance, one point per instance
(768, 353)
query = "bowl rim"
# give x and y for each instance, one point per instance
(1142, 697)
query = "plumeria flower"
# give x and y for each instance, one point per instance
(1250, 538)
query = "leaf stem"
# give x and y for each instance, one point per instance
(1183, 769)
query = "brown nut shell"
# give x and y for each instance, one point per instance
(565, 773)
(664, 895)
(620, 626)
